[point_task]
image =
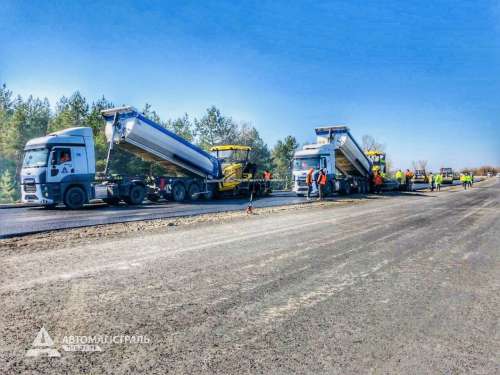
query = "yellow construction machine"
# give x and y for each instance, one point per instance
(378, 159)
(239, 174)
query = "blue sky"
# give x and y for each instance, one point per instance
(421, 77)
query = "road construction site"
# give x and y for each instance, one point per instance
(392, 284)
(25, 220)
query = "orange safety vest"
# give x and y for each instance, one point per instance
(322, 179)
(377, 180)
(309, 178)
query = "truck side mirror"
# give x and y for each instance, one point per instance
(52, 158)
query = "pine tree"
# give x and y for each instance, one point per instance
(215, 129)
(8, 191)
(282, 156)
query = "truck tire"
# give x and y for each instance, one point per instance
(136, 195)
(74, 198)
(178, 192)
(211, 193)
(193, 191)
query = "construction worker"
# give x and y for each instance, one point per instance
(321, 183)
(430, 179)
(309, 182)
(65, 157)
(408, 180)
(438, 180)
(267, 179)
(463, 180)
(399, 177)
(377, 182)
(471, 179)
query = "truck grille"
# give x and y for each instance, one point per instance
(301, 181)
(29, 186)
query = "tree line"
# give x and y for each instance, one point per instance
(23, 119)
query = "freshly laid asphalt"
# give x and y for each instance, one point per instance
(26, 220)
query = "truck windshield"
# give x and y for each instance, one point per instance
(231, 156)
(35, 158)
(305, 163)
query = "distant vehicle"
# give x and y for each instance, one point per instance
(420, 176)
(498, 175)
(60, 167)
(347, 167)
(489, 174)
(447, 174)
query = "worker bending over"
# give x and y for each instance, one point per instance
(408, 180)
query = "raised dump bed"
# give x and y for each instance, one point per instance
(349, 157)
(132, 131)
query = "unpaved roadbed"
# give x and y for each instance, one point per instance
(402, 284)
(65, 237)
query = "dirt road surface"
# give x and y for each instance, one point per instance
(407, 284)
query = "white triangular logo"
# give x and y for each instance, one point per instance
(42, 344)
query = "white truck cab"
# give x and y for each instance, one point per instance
(316, 156)
(59, 167)
(346, 165)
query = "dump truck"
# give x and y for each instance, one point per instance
(448, 175)
(60, 167)
(347, 167)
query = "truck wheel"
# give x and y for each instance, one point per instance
(178, 192)
(193, 191)
(211, 193)
(74, 198)
(136, 195)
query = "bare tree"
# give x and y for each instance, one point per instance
(370, 144)
(422, 164)
(414, 165)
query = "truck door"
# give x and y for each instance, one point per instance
(324, 163)
(60, 164)
(79, 161)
